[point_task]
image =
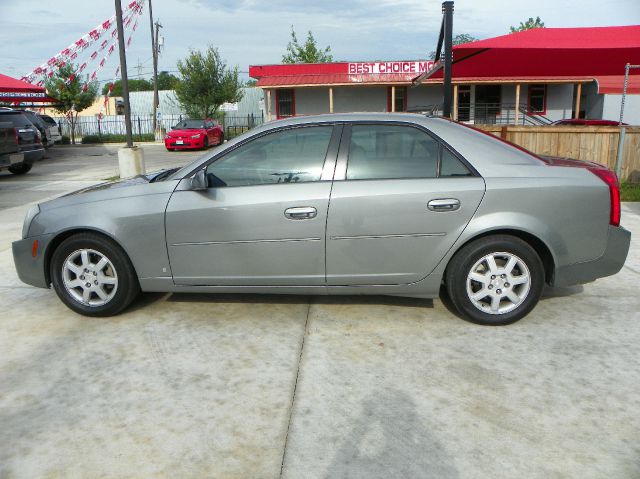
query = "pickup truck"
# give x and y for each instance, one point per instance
(29, 140)
(10, 154)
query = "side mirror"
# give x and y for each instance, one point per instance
(199, 181)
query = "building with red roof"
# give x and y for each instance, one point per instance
(535, 76)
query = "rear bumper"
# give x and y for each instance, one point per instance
(31, 156)
(608, 264)
(8, 159)
(31, 269)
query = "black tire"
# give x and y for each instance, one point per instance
(20, 168)
(205, 143)
(503, 247)
(221, 139)
(169, 149)
(127, 282)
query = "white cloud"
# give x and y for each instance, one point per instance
(255, 32)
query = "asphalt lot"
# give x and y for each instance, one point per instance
(247, 386)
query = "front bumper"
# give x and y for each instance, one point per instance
(30, 268)
(608, 264)
(187, 144)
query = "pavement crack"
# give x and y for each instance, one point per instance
(295, 387)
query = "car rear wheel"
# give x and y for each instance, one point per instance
(93, 276)
(20, 168)
(205, 143)
(495, 280)
(221, 140)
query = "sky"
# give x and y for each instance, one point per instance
(249, 32)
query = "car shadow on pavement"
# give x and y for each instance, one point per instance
(390, 439)
(300, 299)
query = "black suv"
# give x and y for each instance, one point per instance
(29, 139)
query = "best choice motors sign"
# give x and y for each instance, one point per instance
(389, 67)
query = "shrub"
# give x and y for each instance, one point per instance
(64, 141)
(92, 139)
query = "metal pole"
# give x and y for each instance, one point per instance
(153, 57)
(447, 10)
(124, 77)
(622, 129)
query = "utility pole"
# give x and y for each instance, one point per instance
(124, 78)
(447, 22)
(154, 59)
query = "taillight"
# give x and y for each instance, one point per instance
(610, 178)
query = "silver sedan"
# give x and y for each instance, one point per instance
(392, 204)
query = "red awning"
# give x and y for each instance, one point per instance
(614, 84)
(549, 52)
(14, 90)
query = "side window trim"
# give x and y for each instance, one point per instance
(343, 154)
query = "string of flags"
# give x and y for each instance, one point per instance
(107, 32)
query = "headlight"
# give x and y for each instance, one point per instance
(31, 214)
(196, 136)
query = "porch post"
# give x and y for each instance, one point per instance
(578, 95)
(330, 99)
(455, 102)
(517, 103)
(393, 99)
(268, 105)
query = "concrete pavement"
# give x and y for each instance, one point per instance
(248, 386)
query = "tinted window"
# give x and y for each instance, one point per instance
(452, 166)
(189, 124)
(289, 156)
(390, 151)
(18, 120)
(48, 120)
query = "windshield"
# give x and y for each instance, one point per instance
(186, 124)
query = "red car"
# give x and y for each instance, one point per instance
(190, 134)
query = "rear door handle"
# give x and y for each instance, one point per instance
(300, 213)
(444, 204)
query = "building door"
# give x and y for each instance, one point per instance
(488, 103)
(464, 102)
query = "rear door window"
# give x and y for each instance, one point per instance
(379, 151)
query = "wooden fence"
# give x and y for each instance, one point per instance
(591, 143)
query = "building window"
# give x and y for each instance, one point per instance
(285, 103)
(400, 100)
(537, 104)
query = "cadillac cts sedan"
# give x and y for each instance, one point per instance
(392, 204)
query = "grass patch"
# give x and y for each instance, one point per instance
(92, 139)
(630, 192)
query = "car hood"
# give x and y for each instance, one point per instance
(137, 186)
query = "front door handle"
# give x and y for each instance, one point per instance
(444, 204)
(300, 213)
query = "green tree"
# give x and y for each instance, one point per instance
(71, 94)
(166, 81)
(206, 83)
(527, 25)
(457, 40)
(306, 53)
(134, 85)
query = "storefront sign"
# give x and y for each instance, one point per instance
(389, 67)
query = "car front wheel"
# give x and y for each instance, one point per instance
(20, 168)
(93, 276)
(495, 280)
